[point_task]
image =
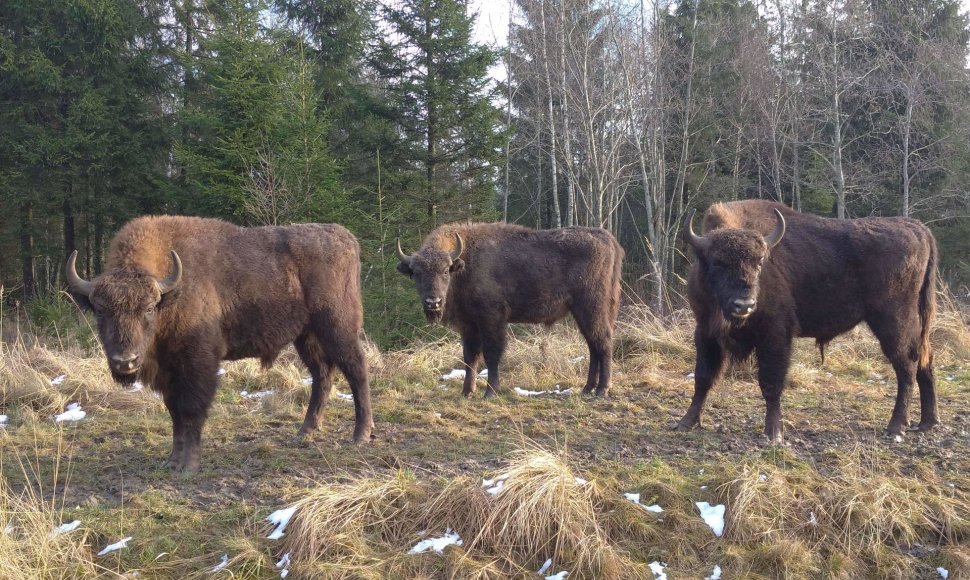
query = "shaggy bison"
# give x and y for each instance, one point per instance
(478, 277)
(765, 274)
(180, 294)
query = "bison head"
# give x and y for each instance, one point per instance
(730, 260)
(125, 302)
(431, 270)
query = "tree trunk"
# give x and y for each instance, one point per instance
(27, 250)
(906, 137)
(557, 215)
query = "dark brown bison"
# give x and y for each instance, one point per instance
(765, 274)
(477, 278)
(181, 294)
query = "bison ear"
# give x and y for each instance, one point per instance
(456, 266)
(404, 269)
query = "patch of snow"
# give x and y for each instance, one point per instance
(762, 477)
(123, 543)
(280, 518)
(256, 394)
(527, 393)
(635, 498)
(496, 488)
(65, 528)
(220, 372)
(437, 544)
(4, 420)
(581, 481)
(658, 570)
(58, 380)
(558, 576)
(73, 413)
(222, 564)
(690, 375)
(950, 378)
(160, 555)
(9, 529)
(307, 380)
(135, 387)
(943, 572)
(545, 566)
(460, 374)
(703, 487)
(284, 563)
(812, 519)
(712, 516)
(898, 438)
(576, 359)
(492, 482)
(715, 573)
(700, 472)
(343, 396)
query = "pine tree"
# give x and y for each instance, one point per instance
(440, 93)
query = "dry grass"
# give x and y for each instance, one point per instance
(881, 511)
(365, 527)
(863, 521)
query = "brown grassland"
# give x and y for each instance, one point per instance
(838, 500)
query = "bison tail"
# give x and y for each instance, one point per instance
(927, 307)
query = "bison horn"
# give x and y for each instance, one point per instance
(170, 283)
(77, 283)
(697, 242)
(775, 236)
(405, 259)
(461, 248)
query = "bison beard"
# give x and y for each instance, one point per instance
(243, 292)
(820, 279)
(477, 278)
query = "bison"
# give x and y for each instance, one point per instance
(478, 277)
(181, 294)
(765, 274)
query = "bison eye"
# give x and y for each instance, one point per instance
(150, 311)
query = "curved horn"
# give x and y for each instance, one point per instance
(170, 283)
(75, 282)
(461, 248)
(775, 236)
(697, 242)
(405, 259)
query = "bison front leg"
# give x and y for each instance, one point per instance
(493, 346)
(471, 346)
(774, 357)
(708, 369)
(178, 434)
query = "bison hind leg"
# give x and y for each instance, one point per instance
(321, 373)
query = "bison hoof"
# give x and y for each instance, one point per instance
(926, 426)
(777, 439)
(603, 392)
(490, 394)
(895, 429)
(686, 424)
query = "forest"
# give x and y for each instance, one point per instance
(391, 118)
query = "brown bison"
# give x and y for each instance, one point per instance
(815, 277)
(478, 277)
(181, 294)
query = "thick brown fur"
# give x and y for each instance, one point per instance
(823, 278)
(244, 292)
(509, 273)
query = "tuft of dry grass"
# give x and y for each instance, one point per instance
(365, 528)
(864, 518)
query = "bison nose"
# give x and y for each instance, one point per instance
(125, 362)
(432, 303)
(743, 306)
